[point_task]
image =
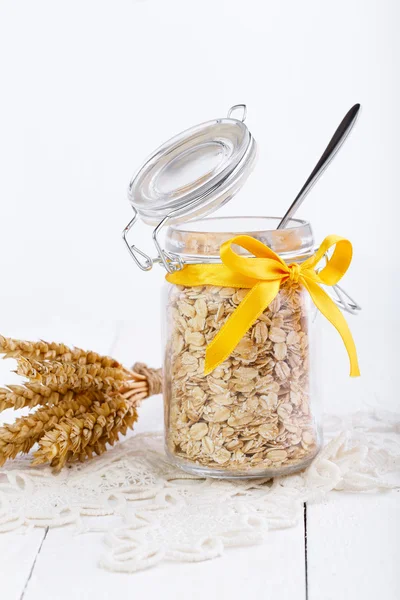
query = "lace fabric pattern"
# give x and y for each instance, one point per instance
(161, 513)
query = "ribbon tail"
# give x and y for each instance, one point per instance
(329, 309)
(240, 321)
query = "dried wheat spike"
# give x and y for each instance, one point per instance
(100, 446)
(113, 436)
(54, 351)
(19, 437)
(58, 376)
(29, 395)
(87, 401)
(80, 436)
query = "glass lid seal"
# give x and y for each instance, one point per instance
(195, 172)
(188, 177)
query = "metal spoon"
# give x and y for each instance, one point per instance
(332, 148)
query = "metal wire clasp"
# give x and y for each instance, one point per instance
(147, 264)
(171, 262)
(341, 297)
(237, 107)
(345, 301)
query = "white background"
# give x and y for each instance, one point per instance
(89, 88)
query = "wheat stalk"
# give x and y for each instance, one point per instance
(86, 401)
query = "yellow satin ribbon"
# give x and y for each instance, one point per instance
(264, 274)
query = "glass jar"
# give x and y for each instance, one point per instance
(256, 414)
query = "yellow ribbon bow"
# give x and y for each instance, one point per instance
(264, 275)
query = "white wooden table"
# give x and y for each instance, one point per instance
(346, 548)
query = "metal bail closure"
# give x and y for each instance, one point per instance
(340, 297)
(147, 263)
(190, 176)
(236, 108)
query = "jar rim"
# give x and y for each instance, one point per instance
(186, 225)
(199, 240)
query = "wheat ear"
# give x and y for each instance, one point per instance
(42, 350)
(20, 436)
(80, 436)
(58, 376)
(87, 401)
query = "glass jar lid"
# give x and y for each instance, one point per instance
(195, 172)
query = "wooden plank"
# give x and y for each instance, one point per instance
(18, 553)
(353, 547)
(67, 568)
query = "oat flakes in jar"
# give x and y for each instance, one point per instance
(242, 310)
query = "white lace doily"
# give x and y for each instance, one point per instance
(165, 514)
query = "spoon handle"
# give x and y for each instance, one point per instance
(332, 148)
